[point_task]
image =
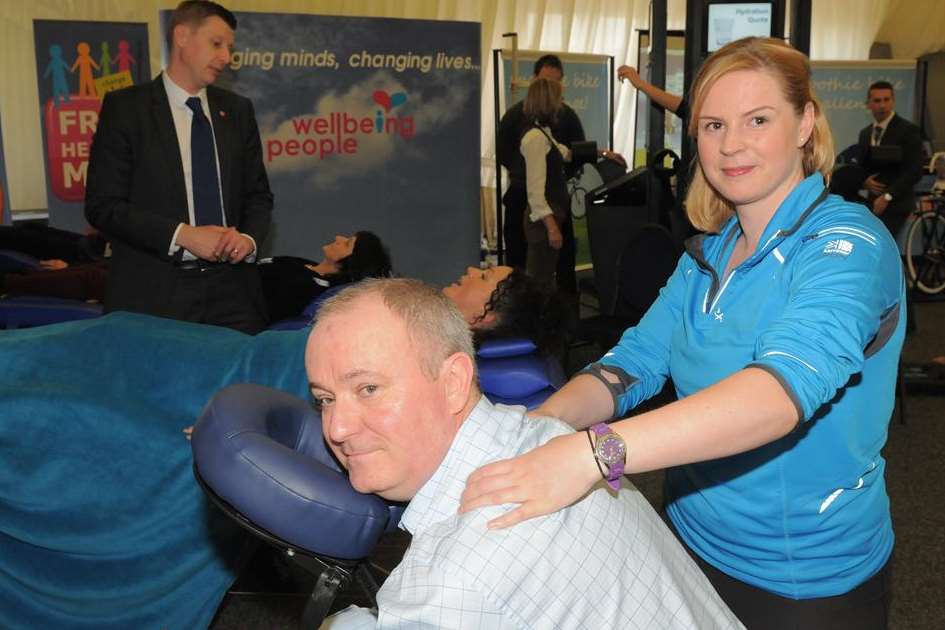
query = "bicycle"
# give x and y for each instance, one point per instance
(924, 249)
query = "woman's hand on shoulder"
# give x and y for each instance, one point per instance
(541, 481)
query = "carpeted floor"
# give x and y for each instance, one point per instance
(915, 454)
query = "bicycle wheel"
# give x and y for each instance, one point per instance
(925, 252)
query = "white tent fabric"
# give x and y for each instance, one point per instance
(911, 27)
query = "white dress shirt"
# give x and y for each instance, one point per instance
(882, 125)
(183, 120)
(534, 148)
(608, 561)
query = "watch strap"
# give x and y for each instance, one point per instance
(590, 441)
(601, 428)
(614, 469)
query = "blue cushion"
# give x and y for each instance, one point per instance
(301, 321)
(510, 347)
(27, 311)
(511, 371)
(315, 304)
(261, 451)
(513, 376)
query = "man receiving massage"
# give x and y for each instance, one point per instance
(101, 522)
(390, 364)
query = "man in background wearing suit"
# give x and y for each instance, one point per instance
(566, 130)
(390, 366)
(891, 180)
(176, 181)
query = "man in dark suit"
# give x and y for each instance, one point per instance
(176, 181)
(566, 130)
(892, 174)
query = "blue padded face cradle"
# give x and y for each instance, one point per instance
(261, 451)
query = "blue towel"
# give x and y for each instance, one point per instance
(102, 524)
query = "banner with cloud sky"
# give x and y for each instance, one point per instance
(77, 63)
(367, 124)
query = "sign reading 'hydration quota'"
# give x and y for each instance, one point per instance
(367, 124)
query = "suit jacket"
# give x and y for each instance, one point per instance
(899, 178)
(135, 191)
(512, 126)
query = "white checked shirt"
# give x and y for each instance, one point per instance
(605, 562)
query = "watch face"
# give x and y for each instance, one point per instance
(611, 449)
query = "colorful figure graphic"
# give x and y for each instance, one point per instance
(124, 57)
(58, 69)
(105, 61)
(85, 63)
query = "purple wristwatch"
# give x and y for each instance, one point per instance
(611, 451)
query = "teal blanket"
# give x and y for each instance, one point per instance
(102, 524)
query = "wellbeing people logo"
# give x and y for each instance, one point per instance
(337, 133)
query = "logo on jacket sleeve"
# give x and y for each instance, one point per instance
(839, 247)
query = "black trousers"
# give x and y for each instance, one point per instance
(866, 607)
(515, 202)
(216, 295)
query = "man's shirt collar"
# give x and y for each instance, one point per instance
(472, 447)
(885, 122)
(177, 96)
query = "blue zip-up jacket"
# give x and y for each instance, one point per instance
(820, 305)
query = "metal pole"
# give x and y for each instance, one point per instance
(657, 119)
(657, 115)
(800, 25)
(499, 241)
(693, 57)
